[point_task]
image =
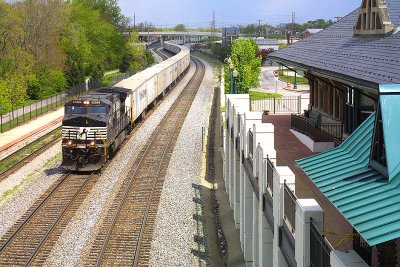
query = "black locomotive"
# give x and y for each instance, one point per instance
(94, 126)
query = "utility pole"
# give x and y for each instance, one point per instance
(134, 21)
(293, 19)
(338, 18)
(259, 27)
(213, 25)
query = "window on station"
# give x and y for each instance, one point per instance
(337, 103)
(378, 151)
(350, 96)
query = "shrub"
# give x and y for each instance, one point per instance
(46, 83)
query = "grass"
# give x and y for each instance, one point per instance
(30, 115)
(290, 79)
(216, 64)
(281, 71)
(107, 79)
(17, 157)
(10, 192)
(5, 197)
(260, 95)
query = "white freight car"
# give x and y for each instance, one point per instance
(152, 83)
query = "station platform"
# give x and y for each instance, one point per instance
(22, 132)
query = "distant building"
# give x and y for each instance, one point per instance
(266, 43)
(309, 32)
(229, 34)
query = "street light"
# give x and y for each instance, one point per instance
(230, 75)
(235, 74)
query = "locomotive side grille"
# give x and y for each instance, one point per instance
(84, 133)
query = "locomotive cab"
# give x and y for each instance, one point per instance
(93, 127)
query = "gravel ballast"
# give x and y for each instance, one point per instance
(74, 245)
(20, 190)
(173, 241)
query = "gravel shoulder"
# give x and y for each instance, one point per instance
(178, 220)
(74, 245)
(20, 191)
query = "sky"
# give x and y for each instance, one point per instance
(230, 13)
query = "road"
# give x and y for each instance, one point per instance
(271, 85)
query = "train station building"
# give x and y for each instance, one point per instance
(354, 73)
(350, 159)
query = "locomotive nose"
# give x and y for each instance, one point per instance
(81, 160)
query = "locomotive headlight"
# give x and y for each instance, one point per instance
(92, 144)
(86, 102)
(69, 143)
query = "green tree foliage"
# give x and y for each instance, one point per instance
(253, 29)
(316, 24)
(46, 46)
(150, 58)
(46, 83)
(135, 57)
(180, 28)
(15, 62)
(110, 12)
(221, 51)
(244, 60)
(94, 39)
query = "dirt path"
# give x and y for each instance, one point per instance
(223, 238)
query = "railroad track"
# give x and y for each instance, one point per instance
(30, 240)
(23, 155)
(124, 239)
(158, 52)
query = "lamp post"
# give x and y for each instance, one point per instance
(235, 74)
(230, 75)
(295, 79)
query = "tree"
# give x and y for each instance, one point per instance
(180, 28)
(220, 51)
(43, 21)
(46, 83)
(244, 60)
(263, 53)
(110, 12)
(135, 57)
(45, 44)
(91, 41)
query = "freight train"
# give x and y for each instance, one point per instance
(95, 125)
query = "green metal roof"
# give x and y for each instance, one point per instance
(364, 196)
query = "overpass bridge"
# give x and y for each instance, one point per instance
(183, 36)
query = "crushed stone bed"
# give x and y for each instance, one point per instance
(173, 241)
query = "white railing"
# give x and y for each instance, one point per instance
(270, 214)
